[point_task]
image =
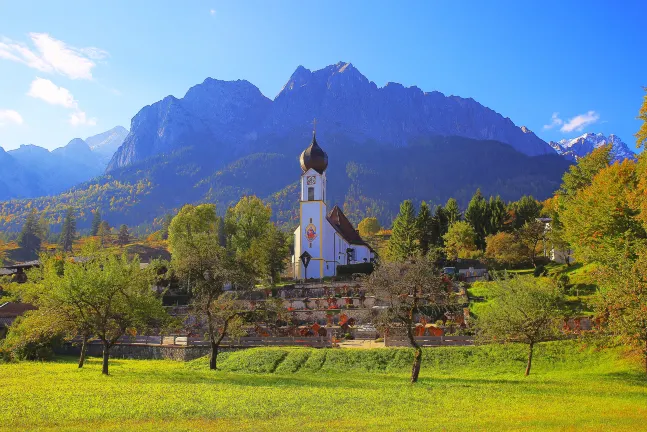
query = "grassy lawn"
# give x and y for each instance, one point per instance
(296, 389)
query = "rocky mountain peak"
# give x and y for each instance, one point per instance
(584, 144)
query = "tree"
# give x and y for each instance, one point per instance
(641, 135)
(249, 219)
(506, 249)
(166, 222)
(600, 221)
(268, 254)
(105, 296)
(207, 268)
(452, 211)
(124, 236)
(96, 223)
(402, 244)
(104, 232)
(524, 210)
(522, 309)
(478, 215)
(624, 301)
(425, 228)
(530, 234)
(440, 225)
(498, 215)
(29, 238)
(43, 227)
(460, 241)
(406, 290)
(580, 175)
(69, 230)
(368, 227)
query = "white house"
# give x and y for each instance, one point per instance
(328, 238)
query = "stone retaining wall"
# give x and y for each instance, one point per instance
(142, 352)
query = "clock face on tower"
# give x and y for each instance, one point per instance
(312, 180)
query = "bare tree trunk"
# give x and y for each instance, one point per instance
(84, 348)
(417, 356)
(215, 346)
(530, 347)
(106, 356)
(213, 360)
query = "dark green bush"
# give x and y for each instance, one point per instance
(350, 269)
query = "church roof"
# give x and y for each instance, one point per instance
(314, 157)
(342, 225)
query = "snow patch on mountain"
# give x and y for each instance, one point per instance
(581, 146)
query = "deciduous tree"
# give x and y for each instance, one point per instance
(506, 249)
(368, 227)
(522, 309)
(460, 241)
(207, 269)
(406, 290)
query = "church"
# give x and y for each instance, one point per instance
(323, 240)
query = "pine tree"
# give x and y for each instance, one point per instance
(402, 244)
(527, 209)
(440, 224)
(498, 215)
(124, 236)
(69, 230)
(478, 215)
(166, 222)
(425, 228)
(452, 211)
(29, 239)
(96, 223)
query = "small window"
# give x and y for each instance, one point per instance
(310, 220)
(311, 194)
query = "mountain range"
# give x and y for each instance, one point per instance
(576, 148)
(225, 139)
(32, 171)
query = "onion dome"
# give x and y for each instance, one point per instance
(314, 157)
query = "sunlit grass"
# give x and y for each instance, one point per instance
(461, 388)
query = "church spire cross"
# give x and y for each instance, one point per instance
(314, 126)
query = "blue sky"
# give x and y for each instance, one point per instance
(76, 68)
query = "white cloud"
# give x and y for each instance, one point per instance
(10, 116)
(554, 121)
(79, 118)
(212, 11)
(49, 92)
(579, 122)
(52, 56)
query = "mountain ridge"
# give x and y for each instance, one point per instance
(236, 116)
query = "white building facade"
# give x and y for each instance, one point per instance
(327, 238)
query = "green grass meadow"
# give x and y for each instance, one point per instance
(572, 387)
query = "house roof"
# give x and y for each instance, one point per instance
(342, 225)
(13, 310)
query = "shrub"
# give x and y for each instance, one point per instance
(349, 269)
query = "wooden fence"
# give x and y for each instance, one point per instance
(429, 341)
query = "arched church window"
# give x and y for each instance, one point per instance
(311, 194)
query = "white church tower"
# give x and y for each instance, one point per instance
(326, 240)
(312, 209)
